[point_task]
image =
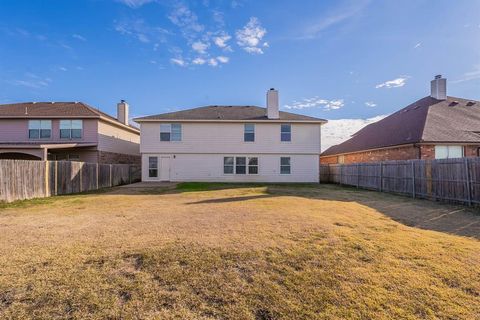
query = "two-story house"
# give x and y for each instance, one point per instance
(67, 131)
(231, 143)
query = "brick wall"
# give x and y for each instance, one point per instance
(402, 153)
(112, 157)
(427, 152)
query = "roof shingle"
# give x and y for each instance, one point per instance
(53, 110)
(426, 120)
(232, 113)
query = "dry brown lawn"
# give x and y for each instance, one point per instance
(237, 252)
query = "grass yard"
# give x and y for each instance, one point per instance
(212, 251)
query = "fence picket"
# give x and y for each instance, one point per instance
(453, 180)
(27, 179)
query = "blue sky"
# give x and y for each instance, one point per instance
(330, 59)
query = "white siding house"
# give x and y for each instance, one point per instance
(231, 143)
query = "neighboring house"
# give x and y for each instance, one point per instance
(67, 131)
(231, 143)
(434, 127)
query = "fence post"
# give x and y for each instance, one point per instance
(467, 180)
(111, 180)
(47, 176)
(381, 177)
(56, 178)
(413, 179)
(80, 172)
(341, 174)
(97, 175)
(358, 175)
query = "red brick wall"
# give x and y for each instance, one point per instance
(427, 152)
(402, 153)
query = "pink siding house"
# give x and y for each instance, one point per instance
(67, 131)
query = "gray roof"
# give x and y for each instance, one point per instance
(426, 120)
(228, 113)
(54, 110)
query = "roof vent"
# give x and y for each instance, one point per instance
(453, 103)
(470, 103)
(52, 102)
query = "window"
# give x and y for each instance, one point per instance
(286, 132)
(240, 165)
(71, 129)
(445, 152)
(253, 165)
(152, 167)
(170, 132)
(228, 165)
(249, 133)
(285, 165)
(39, 129)
(341, 159)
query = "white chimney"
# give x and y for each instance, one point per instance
(122, 112)
(272, 104)
(438, 88)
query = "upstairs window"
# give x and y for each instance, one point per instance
(249, 132)
(39, 129)
(170, 132)
(71, 129)
(446, 152)
(285, 165)
(286, 132)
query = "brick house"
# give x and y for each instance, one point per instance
(434, 127)
(67, 131)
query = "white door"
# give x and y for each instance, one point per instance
(165, 168)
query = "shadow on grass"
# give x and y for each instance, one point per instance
(424, 214)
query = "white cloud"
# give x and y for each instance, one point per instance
(223, 59)
(62, 69)
(316, 102)
(79, 37)
(417, 45)
(337, 131)
(199, 61)
(200, 47)
(32, 80)
(470, 75)
(141, 31)
(395, 83)
(135, 3)
(221, 41)
(343, 13)
(370, 104)
(212, 62)
(184, 18)
(250, 36)
(179, 62)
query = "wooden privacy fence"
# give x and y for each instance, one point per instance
(27, 179)
(454, 180)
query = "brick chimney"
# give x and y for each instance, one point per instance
(122, 112)
(272, 104)
(438, 87)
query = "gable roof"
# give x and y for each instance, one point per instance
(227, 113)
(426, 120)
(28, 110)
